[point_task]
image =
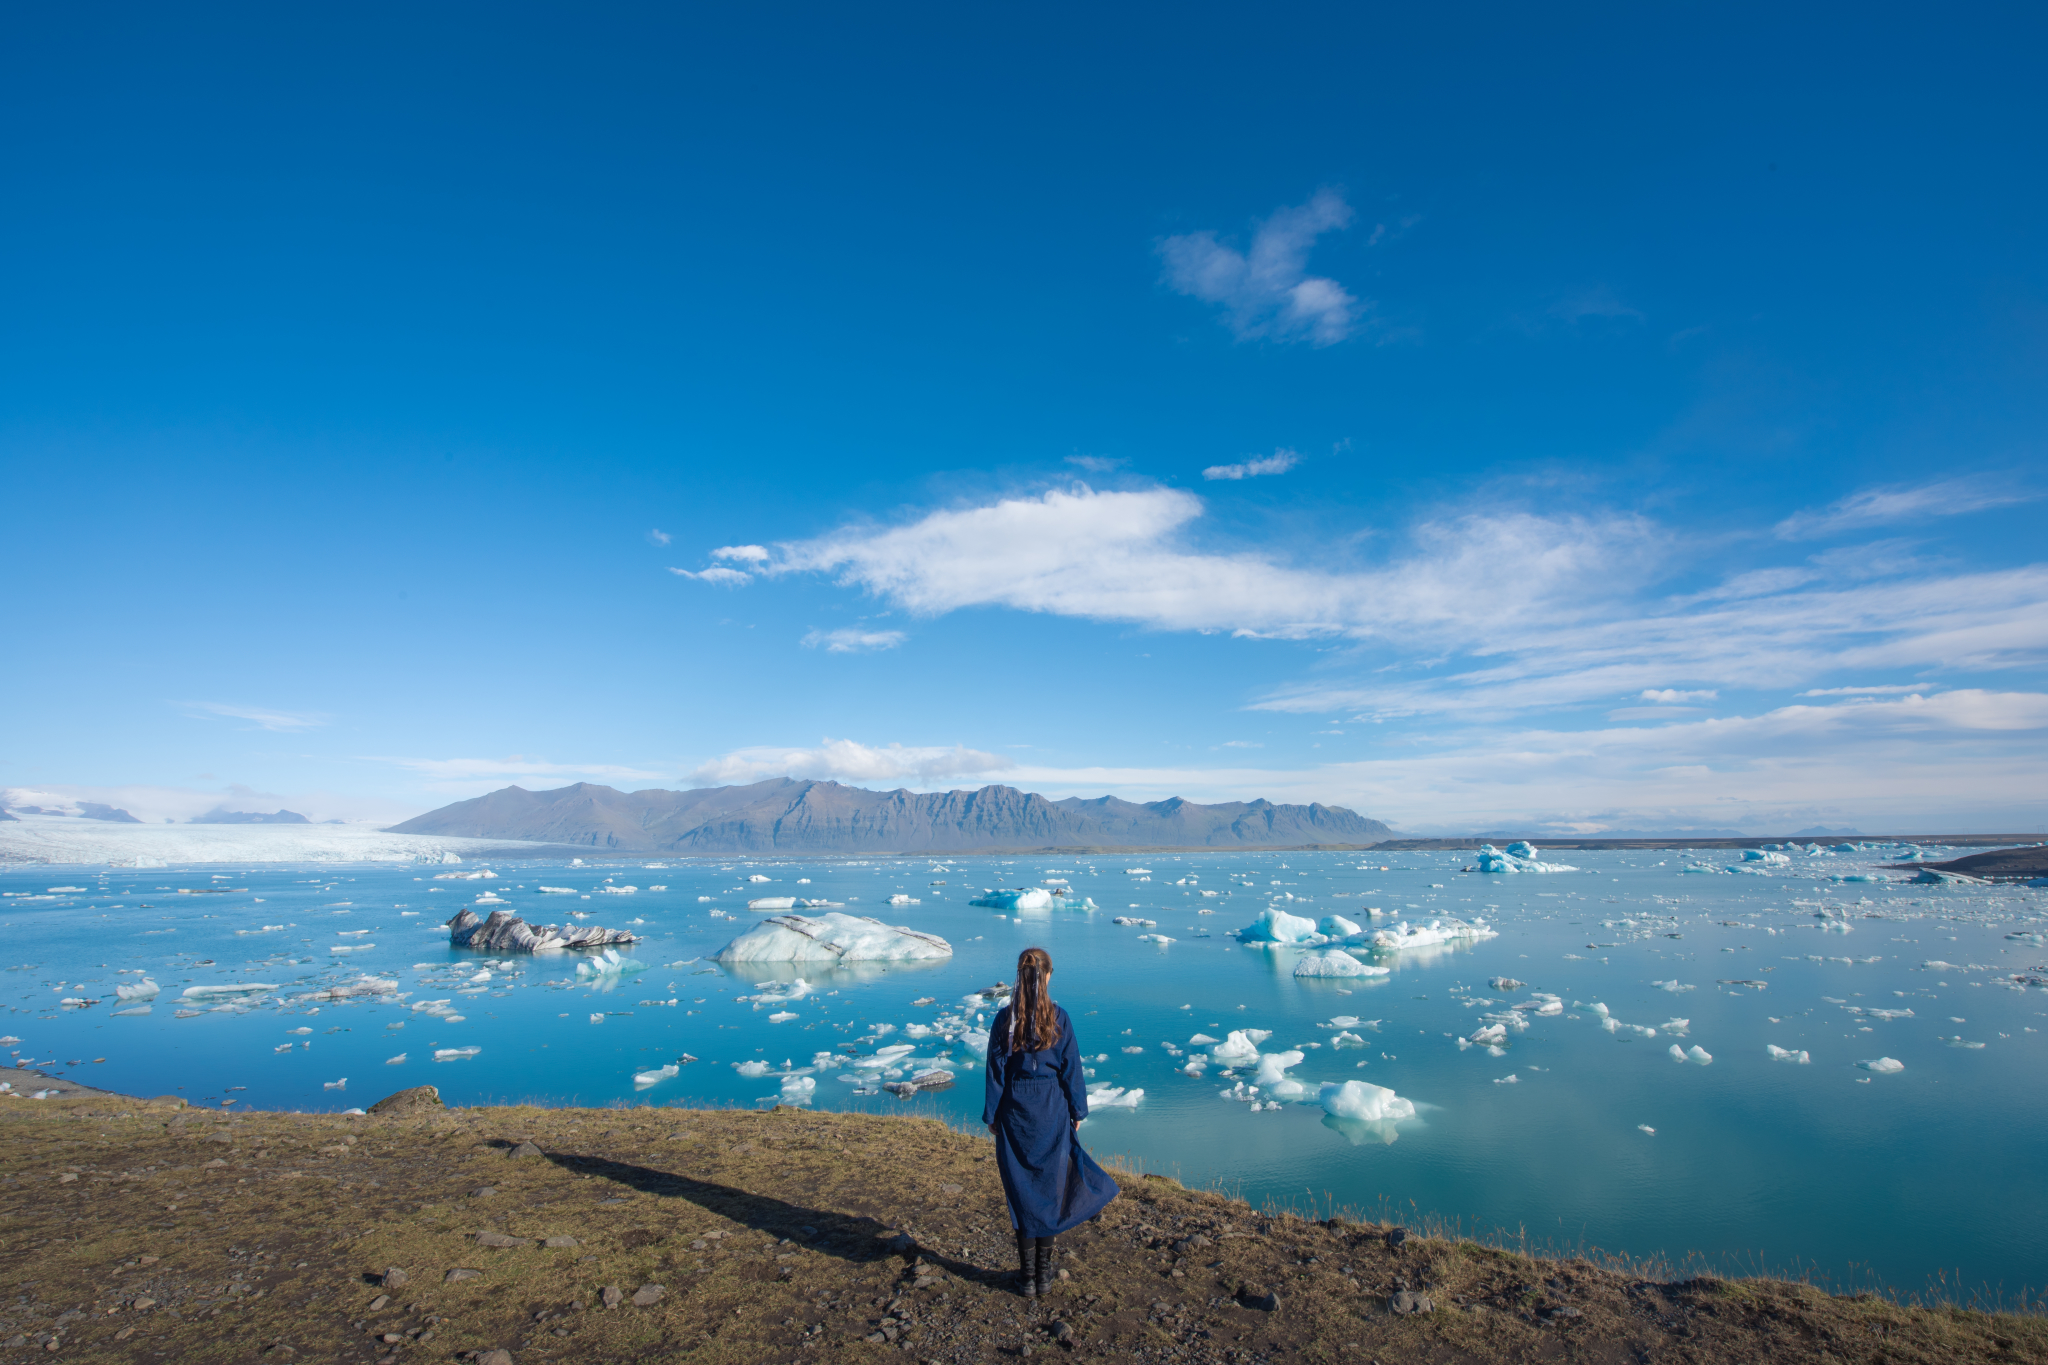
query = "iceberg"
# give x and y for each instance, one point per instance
(1765, 856)
(1273, 1077)
(1365, 1102)
(1435, 932)
(1335, 962)
(1883, 1066)
(610, 962)
(832, 937)
(772, 903)
(644, 1079)
(1519, 857)
(1107, 1096)
(455, 1054)
(1241, 1048)
(1699, 1054)
(144, 989)
(797, 1089)
(752, 1068)
(1277, 926)
(1035, 898)
(226, 992)
(505, 932)
(1336, 926)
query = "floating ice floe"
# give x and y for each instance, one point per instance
(1103, 1095)
(772, 903)
(1786, 1054)
(144, 989)
(643, 1079)
(900, 899)
(341, 1084)
(227, 992)
(1277, 926)
(1161, 939)
(1519, 856)
(1241, 1048)
(610, 962)
(1402, 936)
(556, 890)
(1883, 1066)
(1272, 1075)
(455, 1054)
(505, 932)
(399, 1060)
(1695, 1053)
(755, 1067)
(832, 938)
(1673, 985)
(1364, 1101)
(1028, 898)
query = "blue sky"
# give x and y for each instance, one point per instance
(1619, 419)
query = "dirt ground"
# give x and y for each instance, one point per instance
(135, 1231)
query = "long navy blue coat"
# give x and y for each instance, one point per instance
(1033, 1101)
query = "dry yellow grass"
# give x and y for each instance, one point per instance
(146, 1233)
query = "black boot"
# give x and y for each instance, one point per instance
(1027, 1266)
(1045, 1273)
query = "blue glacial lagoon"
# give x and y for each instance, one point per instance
(1568, 1125)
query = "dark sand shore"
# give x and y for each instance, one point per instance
(140, 1230)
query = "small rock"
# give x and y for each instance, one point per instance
(221, 1137)
(143, 1303)
(1563, 1310)
(214, 1164)
(393, 1278)
(1265, 1303)
(613, 1296)
(461, 1274)
(124, 1333)
(525, 1149)
(647, 1295)
(377, 1304)
(1408, 1301)
(499, 1357)
(1396, 1237)
(68, 1177)
(499, 1239)
(483, 1192)
(561, 1242)
(952, 1189)
(420, 1097)
(1062, 1332)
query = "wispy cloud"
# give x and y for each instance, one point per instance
(845, 760)
(853, 640)
(1486, 614)
(751, 554)
(1267, 292)
(1673, 694)
(284, 722)
(1095, 464)
(659, 537)
(1881, 690)
(1903, 502)
(717, 573)
(1279, 462)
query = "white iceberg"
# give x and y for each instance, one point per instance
(1277, 926)
(226, 992)
(772, 903)
(1365, 1102)
(1402, 935)
(832, 937)
(1335, 962)
(610, 962)
(644, 1079)
(1241, 1048)
(1336, 926)
(1786, 1054)
(751, 1068)
(1518, 857)
(1273, 1077)
(1883, 1066)
(1030, 898)
(798, 1089)
(455, 1054)
(1106, 1096)
(144, 989)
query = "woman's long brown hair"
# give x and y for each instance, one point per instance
(1033, 1023)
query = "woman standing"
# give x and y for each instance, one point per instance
(1036, 1098)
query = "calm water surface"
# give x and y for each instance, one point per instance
(1866, 1176)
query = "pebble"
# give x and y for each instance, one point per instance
(613, 1296)
(1408, 1301)
(499, 1239)
(461, 1274)
(1396, 1237)
(561, 1242)
(483, 1193)
(393, 1278)
(647, 1295)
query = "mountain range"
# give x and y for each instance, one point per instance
(786, 815)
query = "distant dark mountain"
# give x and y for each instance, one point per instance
(93, 810)
(783, 815)
(4, 816)
(217, 816)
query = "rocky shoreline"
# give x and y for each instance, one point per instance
(143, 1230)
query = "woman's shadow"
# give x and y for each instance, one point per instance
(855, 1238)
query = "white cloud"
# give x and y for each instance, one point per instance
(659, 537)
(1672, 694)
(1903, 502)
(844, 760)
(752, 554)
(1279, 462)
(1095, 464)
(853, 640)
(285, 722)
(1268, 292)
(1881, 690)
(718, 574)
